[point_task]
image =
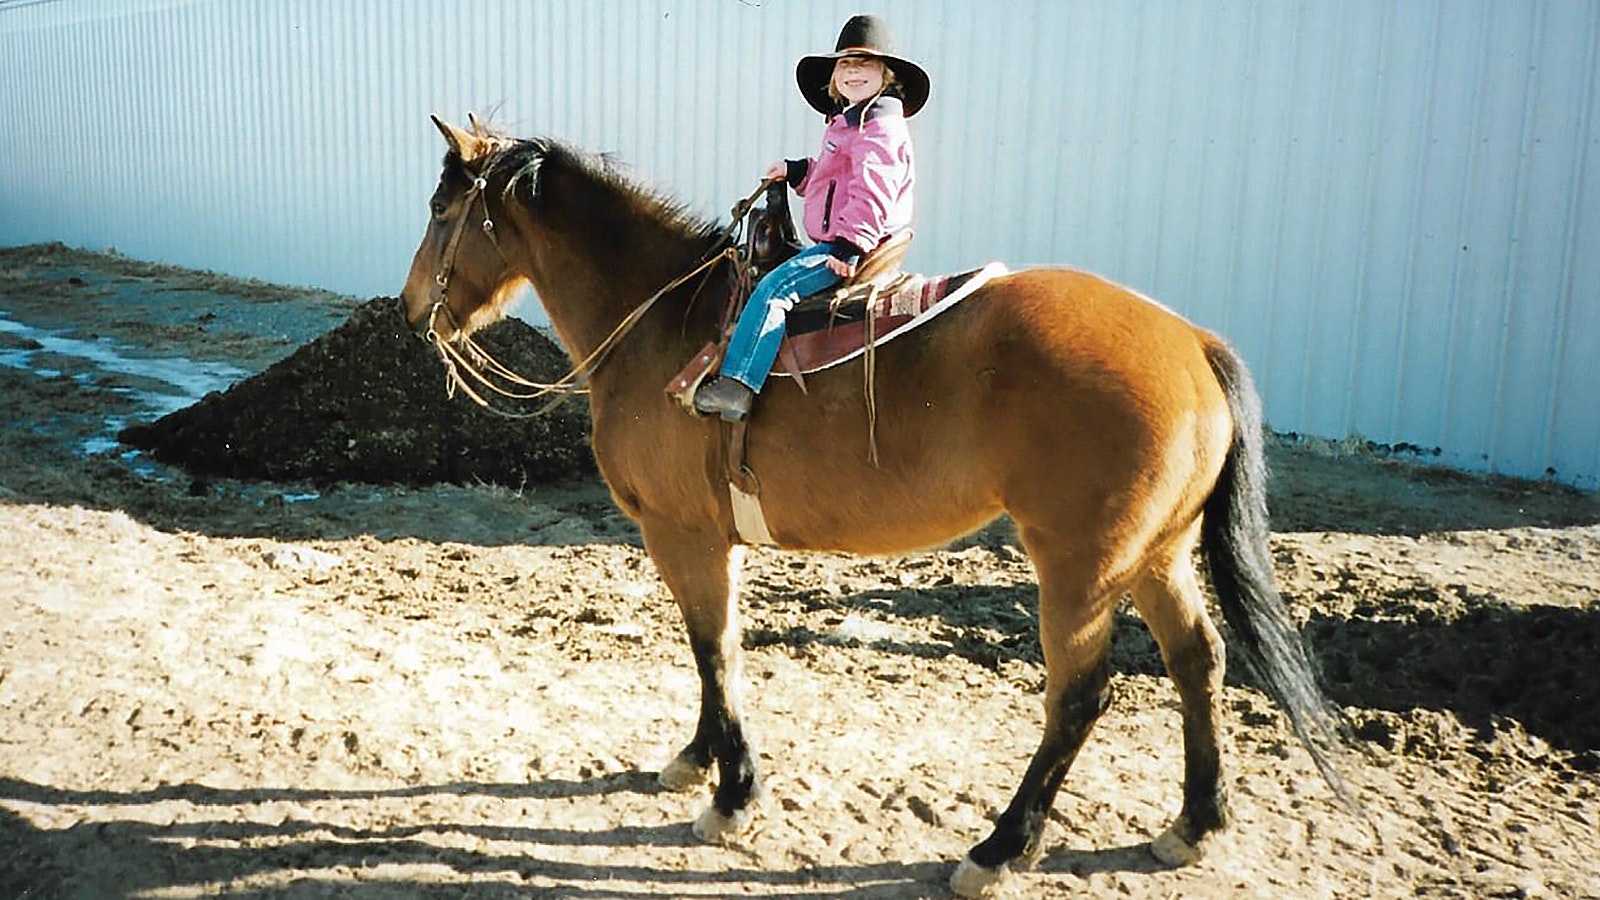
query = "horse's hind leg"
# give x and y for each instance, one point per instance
(1170, 600)
(702, 573)
(1075, 615)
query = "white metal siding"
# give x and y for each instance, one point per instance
(1391, 206)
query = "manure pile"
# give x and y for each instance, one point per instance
(366, 402)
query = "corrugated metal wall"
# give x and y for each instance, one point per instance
(1391, 206)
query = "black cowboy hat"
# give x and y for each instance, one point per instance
(866, 36)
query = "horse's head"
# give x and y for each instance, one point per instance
(460, 277)
(593, 243)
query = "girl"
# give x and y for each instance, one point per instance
(857, 193)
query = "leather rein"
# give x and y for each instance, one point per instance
(484, 368)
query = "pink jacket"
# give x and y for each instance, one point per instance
(859, 188)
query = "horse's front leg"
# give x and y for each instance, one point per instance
(702, 571)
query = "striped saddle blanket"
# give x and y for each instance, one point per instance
(830, 328)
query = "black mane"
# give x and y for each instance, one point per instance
(529, 165)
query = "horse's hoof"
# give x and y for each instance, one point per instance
(973, 880)
(1176, 850)
(683, 775)
(715, 828)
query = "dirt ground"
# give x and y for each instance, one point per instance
(214, 687)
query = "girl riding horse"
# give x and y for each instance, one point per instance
(857, 194)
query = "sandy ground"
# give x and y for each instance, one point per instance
(254, 689)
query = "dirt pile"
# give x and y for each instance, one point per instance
(365, 402)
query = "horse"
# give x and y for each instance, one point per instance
(1118, 437)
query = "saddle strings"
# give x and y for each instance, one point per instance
(869, 369)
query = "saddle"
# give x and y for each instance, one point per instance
(879, 303)
(835, 327)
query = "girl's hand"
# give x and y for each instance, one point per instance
(839, 267)
(778, 171)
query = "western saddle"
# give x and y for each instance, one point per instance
(772, 240)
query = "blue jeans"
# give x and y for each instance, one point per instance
(754, 345)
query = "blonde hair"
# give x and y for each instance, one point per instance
(890, 83)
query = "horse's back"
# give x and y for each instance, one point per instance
(1068, 347)
(1072, 320)
(1047, 392)
(1093, 379)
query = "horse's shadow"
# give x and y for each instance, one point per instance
(1132, 859)
(132, 857)
(1533, 664)
(204, 795)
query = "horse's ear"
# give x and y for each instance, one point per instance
(452, 135)
(469, 147)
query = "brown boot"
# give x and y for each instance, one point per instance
(725, 397)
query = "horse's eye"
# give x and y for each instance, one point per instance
(438, 207)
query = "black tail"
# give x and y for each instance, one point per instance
(1234, 536)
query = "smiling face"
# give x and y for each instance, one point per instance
(857, 78)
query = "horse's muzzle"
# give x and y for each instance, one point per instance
(419, 328)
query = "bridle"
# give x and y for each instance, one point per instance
(447, 259)
(476, 359)
(484, 368)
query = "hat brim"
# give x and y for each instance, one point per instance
(813, 73)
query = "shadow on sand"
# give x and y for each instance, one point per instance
(130, 857)
(1533, 664)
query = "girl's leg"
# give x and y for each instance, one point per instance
(754, 345)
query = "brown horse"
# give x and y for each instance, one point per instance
(1117, 435)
